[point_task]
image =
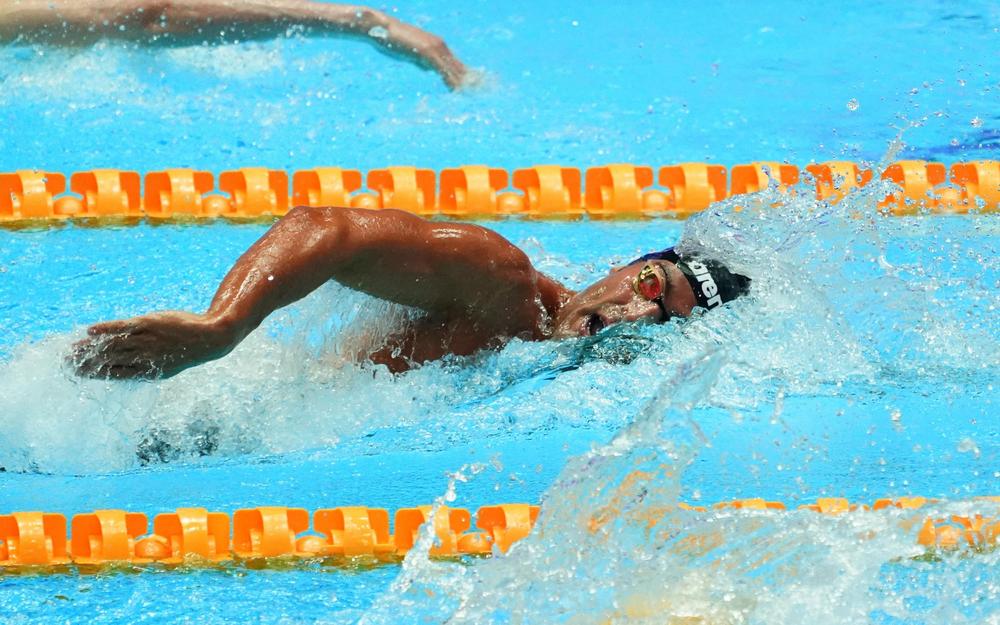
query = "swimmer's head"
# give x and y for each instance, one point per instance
(654, 288)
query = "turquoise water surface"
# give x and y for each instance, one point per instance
(865, 364)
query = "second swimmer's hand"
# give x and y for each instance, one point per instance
(427, 48)
(157, 345)
(441, 58)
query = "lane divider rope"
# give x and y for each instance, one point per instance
(196, 535)
(618, 191)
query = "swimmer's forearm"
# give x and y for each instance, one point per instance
(79, 21)
(264, 17)
(301, 252)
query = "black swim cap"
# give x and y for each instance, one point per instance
(712, 282)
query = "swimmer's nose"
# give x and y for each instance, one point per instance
(633, 310)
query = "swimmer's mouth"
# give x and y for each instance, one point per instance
(595, 323)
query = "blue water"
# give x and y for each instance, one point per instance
(865, 365)
(580, 85)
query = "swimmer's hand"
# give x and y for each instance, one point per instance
(158, 345)
(427, 48)
(439, 55)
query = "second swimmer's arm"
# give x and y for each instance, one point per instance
(76, 21)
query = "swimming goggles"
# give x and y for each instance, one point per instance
(651, 285)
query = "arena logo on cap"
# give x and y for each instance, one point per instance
(708, 286)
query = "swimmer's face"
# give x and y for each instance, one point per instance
(613, 300)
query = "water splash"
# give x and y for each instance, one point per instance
(612, 545)
(839, 296)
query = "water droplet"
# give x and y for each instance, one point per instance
(976, 122)
(967, 445)
(378, 32)
(852, 104)
(954, 143)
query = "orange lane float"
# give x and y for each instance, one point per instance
(619, 191)
(903, 503)
(353, 531)
(449, 525)
(325, 186)
(194, 536)
(836, 179)
(255, 192)
(192, 533)
(615, 190)
(30, 194)
(976, 533)
(917, 180)
(755, 177)
(33, 538)
(978, 183)
(107, 193)
(830, 505)
(693, 187)
(508, 523)
(268, 531)
(550, 191)
(473, 190)
(177, 192)
(107, 536)
(750, 504)
(406, 188)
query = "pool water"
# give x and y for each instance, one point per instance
(865, 365)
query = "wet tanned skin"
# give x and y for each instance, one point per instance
(476, 290)
(187, 22)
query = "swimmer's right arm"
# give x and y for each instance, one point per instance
(444, 269)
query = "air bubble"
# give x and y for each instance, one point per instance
(378, 32)
(976, 122)
(852, 104)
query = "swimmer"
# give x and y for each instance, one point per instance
(79, 22)
(475, 289)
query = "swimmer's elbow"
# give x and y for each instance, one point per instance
(324, 233)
